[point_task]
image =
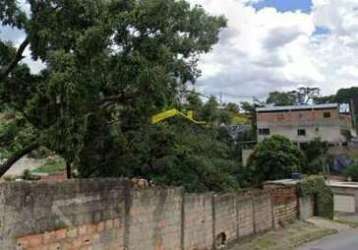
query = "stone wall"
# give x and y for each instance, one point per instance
(112, 214)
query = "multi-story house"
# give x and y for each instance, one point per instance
(302, 124)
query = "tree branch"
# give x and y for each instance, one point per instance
(18, 57)
(17, 156)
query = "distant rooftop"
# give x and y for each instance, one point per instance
(298, 107)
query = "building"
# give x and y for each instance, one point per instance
(301, 124)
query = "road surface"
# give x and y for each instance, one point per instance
(346, 240)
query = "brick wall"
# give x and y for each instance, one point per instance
(285, 203)
(111, 214)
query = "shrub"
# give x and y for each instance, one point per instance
(275, 158)
(316, 156)
(352, 171)
(316, 186)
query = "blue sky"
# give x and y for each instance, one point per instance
(286, 5)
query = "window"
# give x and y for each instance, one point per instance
(264, 131)
(301, 132)
(327, 114)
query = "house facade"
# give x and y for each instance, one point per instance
(303, 124)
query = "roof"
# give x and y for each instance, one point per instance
(301, 107)
(284, 182)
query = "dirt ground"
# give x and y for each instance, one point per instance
(288, 238)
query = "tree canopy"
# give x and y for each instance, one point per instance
(281, 98)
(110, 65)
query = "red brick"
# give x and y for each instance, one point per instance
(82, 230)
(49, 237)
(60, 234)
(31, 240)
(71, 233)
(91, 228)
(100, 227)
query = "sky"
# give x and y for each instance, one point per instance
(273, 45)
(280, 45)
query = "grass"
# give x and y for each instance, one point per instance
(352, 224)
(288, 238)
(51, 167)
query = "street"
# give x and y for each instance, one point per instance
(346, 240)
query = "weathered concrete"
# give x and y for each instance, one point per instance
(306, 209)
(112, 214)
(348, 190)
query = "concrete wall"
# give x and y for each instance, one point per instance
(329, 134)
(345, 196)
(306, 207)
(111, 214)
(287, 123)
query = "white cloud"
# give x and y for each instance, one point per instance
(266, 50)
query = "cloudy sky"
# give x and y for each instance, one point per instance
(275, 45)
(280, 45)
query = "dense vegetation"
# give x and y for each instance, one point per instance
(275, 158)
(315, 187)
(352, 171)
(109, 66)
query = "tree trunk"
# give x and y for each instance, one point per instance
(17, 156)
(68, 170)
(18, 57)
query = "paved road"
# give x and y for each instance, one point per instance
(346, 240)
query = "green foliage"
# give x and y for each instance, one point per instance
(281, 98)
(345, 95)
(352, 171)
(316, 156)
(325, 99)
(250, 110)
(275, 158)
(111, 65)
(15, 132)
(210, 111)
(316, 186)
(27, 175)
(51, 166)
(172, 153)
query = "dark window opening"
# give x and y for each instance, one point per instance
(327, 114)
(264, 131)
(301, 132)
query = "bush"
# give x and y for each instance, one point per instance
(316, 186)
(316, 156)
(352, 171)
(275, 158)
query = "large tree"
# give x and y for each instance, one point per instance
(281, 98)
(110, 65)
